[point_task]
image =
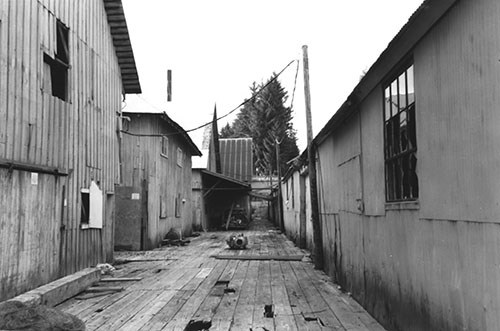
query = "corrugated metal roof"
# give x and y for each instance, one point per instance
(123, 47)
(236, 158)
(226, 178)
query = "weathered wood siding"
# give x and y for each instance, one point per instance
(297, 209)
(166, 181)
(199, 214)
(430, 265)
(77, 137)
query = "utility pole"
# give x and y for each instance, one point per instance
(311, 154)
(280, 200)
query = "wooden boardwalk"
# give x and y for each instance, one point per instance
(183, 285)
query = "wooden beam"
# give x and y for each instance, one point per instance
(32, 167)
(260, 257)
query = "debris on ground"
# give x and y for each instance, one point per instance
(237, 241)
(173, 234)
(15, 315)
(105, 268)
(174, 242)
(174, 238)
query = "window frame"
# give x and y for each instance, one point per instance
(164, 146)
(400, 140)
(180, 157)
(59, 63)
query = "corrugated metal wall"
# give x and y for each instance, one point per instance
(431, 264)
(77, 136)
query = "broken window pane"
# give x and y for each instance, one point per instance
(387, 103)
(59, 65)
(394, 97)
(400, 138)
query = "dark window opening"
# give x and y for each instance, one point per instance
(84, 213)
(59, 64)
(400, 140)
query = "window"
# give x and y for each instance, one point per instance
(400, 140)
(164, 146)
(58, 64)
(92, 207)
(180, 157)
(85, 210)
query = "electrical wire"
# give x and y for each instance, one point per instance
(246, 101)
(294, 85)
(221, 117)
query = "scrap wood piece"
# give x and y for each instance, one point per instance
(94, 289)
(260, 257)
(123, 279)
(86, 296)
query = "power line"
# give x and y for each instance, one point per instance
(221, 117)
(246, 101)
(294, 85)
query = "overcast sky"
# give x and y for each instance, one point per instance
(217, 48)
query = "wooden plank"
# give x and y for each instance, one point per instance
(263, 297)
(120, 279)
(94, 289)
(242, 320)
(210, 305)
(350, 314)
(260, 257)
(283, 319)
(147, 312)
(185, 314)
(116, 311)
(300, 307)
(319, 307)
(223, 317)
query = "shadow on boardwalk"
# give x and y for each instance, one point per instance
(265, 287)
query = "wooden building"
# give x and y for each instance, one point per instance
(408, 175)
(64, 67)
(155, 195)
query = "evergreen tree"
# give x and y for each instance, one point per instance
(267, 121)
(227, 131)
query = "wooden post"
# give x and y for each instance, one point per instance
(311, 154)
(278, 170)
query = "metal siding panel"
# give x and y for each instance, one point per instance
(457, 114)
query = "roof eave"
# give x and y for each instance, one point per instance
(123, 47)
(424, 18)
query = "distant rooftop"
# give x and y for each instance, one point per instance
(236, 158)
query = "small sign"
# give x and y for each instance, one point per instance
(34, 178)
(136, 196)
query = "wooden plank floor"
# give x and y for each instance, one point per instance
(183, 285)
